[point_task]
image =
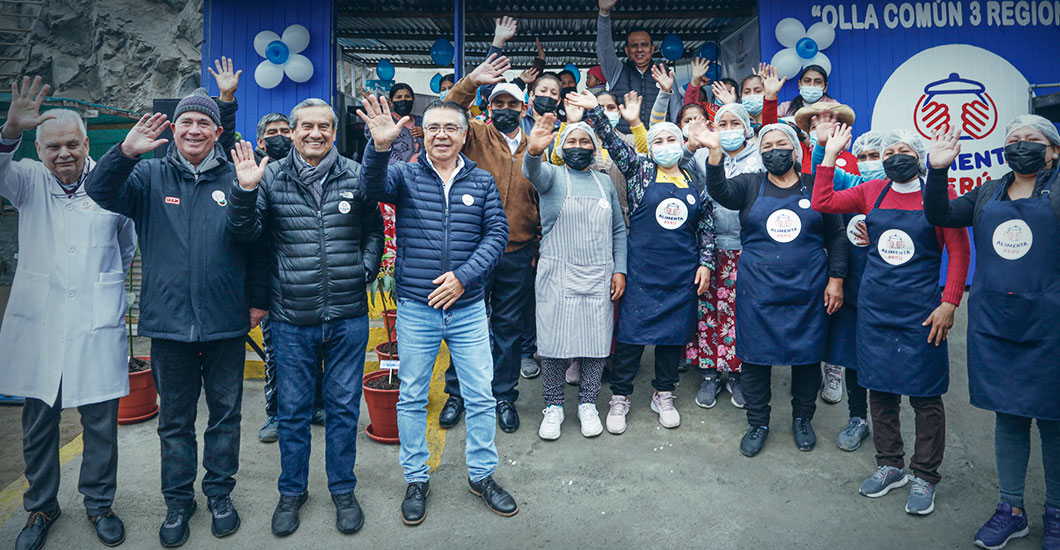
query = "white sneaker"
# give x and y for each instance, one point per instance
(590, 419)
(550, 424)
(662, 402)
(616, 415)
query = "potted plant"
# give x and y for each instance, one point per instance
(384, 288)
(142, 402)
(381, 387)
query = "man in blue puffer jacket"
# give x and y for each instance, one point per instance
(451, 232)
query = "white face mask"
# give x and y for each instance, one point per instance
(613, 117)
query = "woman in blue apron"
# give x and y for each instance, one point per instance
(1013, 344)
(842, 325)
(791, 271)
(903, 317)
(670, 255)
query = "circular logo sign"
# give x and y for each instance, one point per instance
(895, 247)
(467, 199)
(852, 235)
(783, 225)
(218, 195)
(671, 213)
(1012, 239)
(804, 203)
(690, 199)
(344, 207)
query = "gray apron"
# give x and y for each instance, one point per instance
(575, 315)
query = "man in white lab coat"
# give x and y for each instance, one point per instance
(63, 333)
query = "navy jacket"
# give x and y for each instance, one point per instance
(466, 237)
(198, 280)
(323, 255)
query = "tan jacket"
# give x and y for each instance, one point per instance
(487, 147)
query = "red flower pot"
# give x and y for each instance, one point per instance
(384, 355)
(142, 402)
(382, 410)
(390, 322)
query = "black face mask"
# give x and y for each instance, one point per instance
(277, 147)
(403, 107)
(564, 91)
(901, 168)
(778, 161)
(577, 157)
(505, 120)
(1025, 157)
(544, 105)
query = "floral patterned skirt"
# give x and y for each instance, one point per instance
(714, 345)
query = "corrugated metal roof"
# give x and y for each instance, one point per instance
(404, 30)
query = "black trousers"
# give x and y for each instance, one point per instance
(758, 391)
(626, 363)
(857, 396)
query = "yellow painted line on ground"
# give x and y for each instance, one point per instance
(11, 496)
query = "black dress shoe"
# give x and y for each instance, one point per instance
(35, 532)
(175, 531)
(348, 515)
(805, 438)
(498, 500)
(451, 412)
(507, 418)
(225, 518)
(109, 528)
(414, 507)
(285, 516)
(754, 440)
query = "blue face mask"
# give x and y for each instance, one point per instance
(753, 103)
(732, 140)
(667, 155)
(872, 169)
(717, 102)
(441, 96)
(811, 93)
(613, 117)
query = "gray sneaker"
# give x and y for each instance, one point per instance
(709, 390)
(850, 438)
(269, 432)
(832, 389)
(529, 368)
(736, 390)
(881, 482)
(921, 498)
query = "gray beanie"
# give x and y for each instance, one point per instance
(199, 101)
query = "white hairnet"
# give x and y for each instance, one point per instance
(1034, 122)
(741, 113)
(788, 131)
(869, 141)
(910, 138)
(578, 126)
(660, 127)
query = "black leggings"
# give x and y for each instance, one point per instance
(758, 391)
(857, 396)
(626, 363)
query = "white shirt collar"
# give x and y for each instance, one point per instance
(513, 143)
(448, 184)
(906, 188)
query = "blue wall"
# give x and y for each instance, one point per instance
(229, 27)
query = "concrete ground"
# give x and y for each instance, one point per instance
(684, 487)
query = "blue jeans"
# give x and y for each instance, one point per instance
(420, 331)
(1012, 446)
(342, 344)
(270, 372)
(180, 370)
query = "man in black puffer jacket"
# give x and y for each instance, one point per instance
(327, 240)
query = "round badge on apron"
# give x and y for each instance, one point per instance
(344, 207)
(671, 213)
(784, 225)
(691, 199)
(467, 199)
(1012, 239)
(852, 234)
(895, 247)
(804, 203)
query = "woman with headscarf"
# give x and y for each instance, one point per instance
(792, 265)
(903, 318)
(581, 270)
(1013, 345)
(713, 348)
(671, 255)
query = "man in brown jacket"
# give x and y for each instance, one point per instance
(498, 148)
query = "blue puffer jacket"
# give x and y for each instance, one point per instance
(467, 237)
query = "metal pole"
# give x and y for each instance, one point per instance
(458, 39)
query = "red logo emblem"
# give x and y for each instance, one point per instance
(955, 100)
(172, 200)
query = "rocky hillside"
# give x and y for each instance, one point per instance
(119, 53)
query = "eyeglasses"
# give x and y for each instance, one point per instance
(449, 129)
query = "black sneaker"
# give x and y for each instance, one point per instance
(348, 515)
(805, 437)
(451, 413)
(285, 516)
(225, 517)
(174, 530)
(497, 499)
(109, 528)
(754, 440)
(414, 506)
(35, 533)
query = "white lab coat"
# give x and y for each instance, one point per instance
(65, 319)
